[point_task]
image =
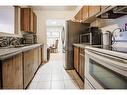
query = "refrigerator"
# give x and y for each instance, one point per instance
(70, 35)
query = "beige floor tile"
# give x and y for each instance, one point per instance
(57, 77)
(45, 77)
(68, 77)
(57, 85)
(70, 84)
(52, 75)
(43, 85)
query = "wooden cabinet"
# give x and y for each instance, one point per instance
(78, 16)
(12, 74)
(85, 12)
(34, 22)
(76, 58)
(81, 63)
(93, 10)
(31, 62)
(36, 59)
(28, 20)
(28, 66)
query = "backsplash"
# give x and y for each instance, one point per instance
(7, 41)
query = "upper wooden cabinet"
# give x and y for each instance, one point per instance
(34, 22)
(28, 20)
(93, 10)
(85, 12)
(78, 17)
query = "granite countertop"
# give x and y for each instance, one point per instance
(8, 52)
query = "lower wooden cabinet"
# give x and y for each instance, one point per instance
(76, 58)
(12, 73)
(28, 66)
(31, 62)
(17, 71)
(81, 65)
(79, 61)
(36, 59)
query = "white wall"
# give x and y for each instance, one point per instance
(7, 19)
(42, 16)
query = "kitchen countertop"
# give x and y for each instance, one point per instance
(8, 52)
(80, 45)
(84, 45)
(110, 50)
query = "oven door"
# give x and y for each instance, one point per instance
(104, 71)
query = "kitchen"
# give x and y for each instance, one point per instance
(96, 47)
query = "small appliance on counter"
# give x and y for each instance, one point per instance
(107, 38)
(91, 36)
(29, 38)
(112, 37)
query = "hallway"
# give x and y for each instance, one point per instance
(52, 75)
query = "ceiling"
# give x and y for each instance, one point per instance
(55, 8)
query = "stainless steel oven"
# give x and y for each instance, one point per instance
(103, 71)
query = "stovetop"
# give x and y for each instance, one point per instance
(112, 48)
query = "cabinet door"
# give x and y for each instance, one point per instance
(81, 65)
(93, 10)
(25, 19)
(12, 73)
(34, 23)
(36, 59)
(28, 66)
(78, 16)
(28, 20)
(76, 58)
(85, 12)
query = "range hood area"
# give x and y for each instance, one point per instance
(112, 12)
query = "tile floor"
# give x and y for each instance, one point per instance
(52, 75)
